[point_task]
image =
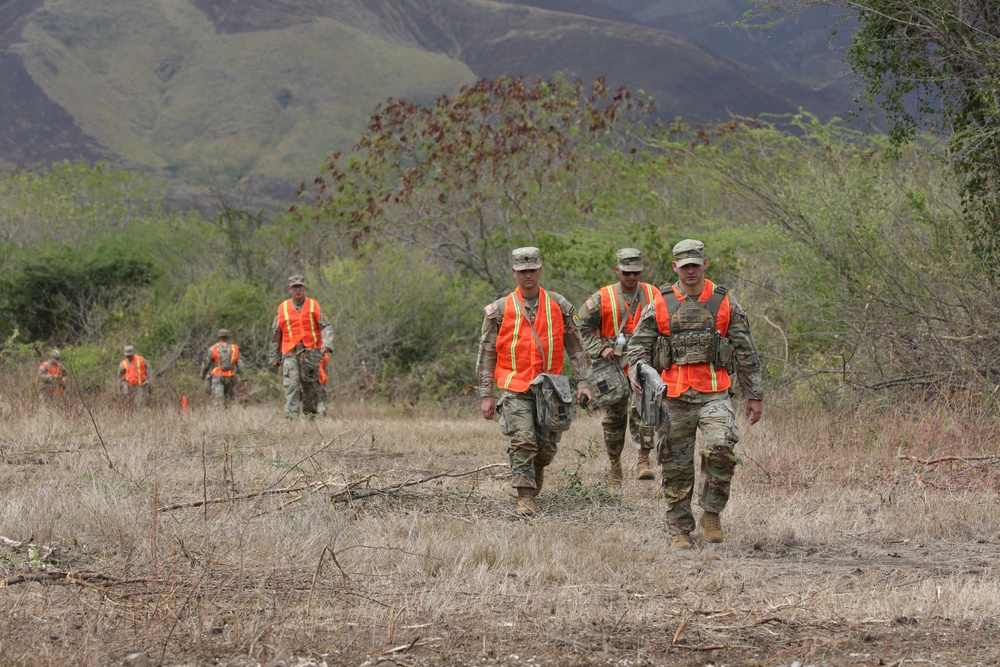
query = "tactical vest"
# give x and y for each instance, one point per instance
(694, 337)
(225, 356)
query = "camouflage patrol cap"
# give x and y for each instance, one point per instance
(56, 355)
(630, 259)
(296, 280)
(689, 251)
(223, 333)
(526, 258)
(129, 350)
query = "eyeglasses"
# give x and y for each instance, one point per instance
(631, 273)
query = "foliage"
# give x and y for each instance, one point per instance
(933, 65)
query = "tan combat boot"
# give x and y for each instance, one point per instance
(711, 523)
(681, 541)
(525, 502)
(539, 478)
(615, 475)
(642, 469)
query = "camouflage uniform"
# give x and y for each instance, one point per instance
(711, 412)
(133, 385)
(299, 371)
(532, 447)
(223, 387)
(52, 375)
(622, 414)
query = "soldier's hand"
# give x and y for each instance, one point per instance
(608, 354)
(583, 396)
(488, 407)
(275, 364)
(754, 410)
(636, 387)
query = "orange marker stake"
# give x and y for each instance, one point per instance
(184, 403)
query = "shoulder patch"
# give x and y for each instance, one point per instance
(590, 304)
(576, 320)
(489, 310)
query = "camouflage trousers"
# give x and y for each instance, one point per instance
(676, 448)
(617, 417)
(531, 446)
(223, 390)
(300, 390)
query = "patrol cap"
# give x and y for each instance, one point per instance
(296, 280)
(56, 355)
(526, 258)
(129, 350)
(223, 333)
(630, 259)
(689, 251)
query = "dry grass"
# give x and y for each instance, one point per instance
(838, 552)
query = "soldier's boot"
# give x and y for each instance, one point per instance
(539, 479)
(711, 523)
(642, 469)
(615, 475)
(681, 541)
(525, 502)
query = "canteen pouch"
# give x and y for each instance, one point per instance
(554, 407)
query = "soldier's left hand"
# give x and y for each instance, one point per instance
(583, 396)
(754, 410)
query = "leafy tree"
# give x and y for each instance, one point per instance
(931, 65)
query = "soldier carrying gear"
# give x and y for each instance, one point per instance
(687, 336)
(524, 336)
(300, 336)
(607, 319)
(133, 376)
(221, 368)
(52, 374)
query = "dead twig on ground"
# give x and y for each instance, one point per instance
(942, 459)
(78, 578)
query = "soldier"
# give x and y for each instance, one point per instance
(513, 358)
(221, 368)
(52, 374)
(133, 376)
(607, 320)
(300, 336)
(692, 336)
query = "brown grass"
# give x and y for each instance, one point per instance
(838, 552)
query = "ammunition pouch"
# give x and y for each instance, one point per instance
(663, 355)
(554, 406)
(309, 361)
(725, 356)
(607, 382)
(695, 347)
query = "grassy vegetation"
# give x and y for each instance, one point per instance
(153, 81)
(371, 537)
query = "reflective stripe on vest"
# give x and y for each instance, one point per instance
(612, 308)
(519, 361)
(234, 356)
(135, 373)
(701, 377)
(299, 326)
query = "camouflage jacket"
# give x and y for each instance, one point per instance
(748, 375)
(487, 361)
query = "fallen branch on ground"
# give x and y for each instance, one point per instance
(78, 578)
(941, 459)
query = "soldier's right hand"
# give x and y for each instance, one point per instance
(488, 407)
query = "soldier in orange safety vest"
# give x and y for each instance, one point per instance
(221, 368)
(52, 374)
(300, 336)
(607, 319)
(695, 337)
(133, 376)
(524, 335)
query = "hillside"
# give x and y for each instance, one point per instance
(215, 90)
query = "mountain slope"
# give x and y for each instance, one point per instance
(219, 89)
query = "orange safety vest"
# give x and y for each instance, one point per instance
(613, 309)
(135, 373)
(323, 377)
(300, 326)
(519, 359)
(55, 368)
(704, 377)
(234, 356)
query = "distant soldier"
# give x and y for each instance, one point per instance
(524, 335)
(221, 368)
(696, 336)
(607, 320)
(52, 374)
(299, 339)
(133, 376)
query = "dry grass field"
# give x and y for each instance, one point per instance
(372, 537)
